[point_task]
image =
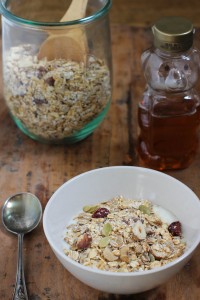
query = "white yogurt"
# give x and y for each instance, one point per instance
(165, 215)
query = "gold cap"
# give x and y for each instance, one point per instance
(173, 34)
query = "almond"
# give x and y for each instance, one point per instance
(84, 241)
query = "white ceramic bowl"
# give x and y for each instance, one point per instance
(132, 182)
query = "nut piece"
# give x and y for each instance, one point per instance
(84, 241)
(139, 230)
(124, 254)
(108, 255)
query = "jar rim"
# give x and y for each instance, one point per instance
(98, 14)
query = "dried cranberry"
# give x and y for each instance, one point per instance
(40, 101)
(50, 81)
(101, 212)
(175, 228)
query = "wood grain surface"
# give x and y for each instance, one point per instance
(144, 12)
(26, 165)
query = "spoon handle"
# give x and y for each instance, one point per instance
(75, 11)
(20, 292)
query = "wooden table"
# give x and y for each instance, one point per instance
(26, 165)
(145, 12)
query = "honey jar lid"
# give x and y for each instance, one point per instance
(173, 34)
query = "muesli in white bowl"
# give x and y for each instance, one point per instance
(124, 235)
(103, 184)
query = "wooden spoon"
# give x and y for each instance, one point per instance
(69, 44)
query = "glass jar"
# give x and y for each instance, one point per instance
(56, 73)
(169, 113)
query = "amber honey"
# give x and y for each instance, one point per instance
(168, 141)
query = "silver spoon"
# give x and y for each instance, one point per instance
(21, 213)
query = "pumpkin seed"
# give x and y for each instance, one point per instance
(107, 228)
(90, 208)
(104, 242)
(145, 209)
(151, 257)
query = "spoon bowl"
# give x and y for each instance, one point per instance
(21, 213)
(70, 44)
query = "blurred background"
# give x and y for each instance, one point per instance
(145, 12)
(131, 12)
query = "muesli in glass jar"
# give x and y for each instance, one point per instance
(57, 96)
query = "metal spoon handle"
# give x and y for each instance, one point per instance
(20, 292)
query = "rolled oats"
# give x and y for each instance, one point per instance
(54, 99)
(129, 237)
